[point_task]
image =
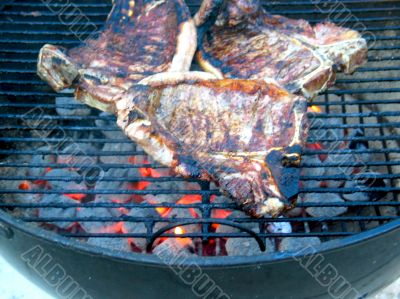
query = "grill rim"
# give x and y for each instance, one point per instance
(199, 260)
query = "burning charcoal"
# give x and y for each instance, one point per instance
(76, 155)
(139, 227)
(58, 212)
(69, 110)
(222, 200)
(115, 133)
(117, 186)
(335, 183)
(279, 227)
(362, 184)
(311, 171)
(98, 226)
(41, 159)
(359, 145)
(297, 244)
(27, 199)
(340, 170)
(388, 211)
(65, 185)
(117, 147)
(321, 132)
(117, 244)
(159, 172)
(174, 248)
(213, 186)
(323, 198)
(237, 215)
(246, 247)
(188, 214)
(165, 198)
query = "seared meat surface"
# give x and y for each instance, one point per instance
(239, 39)
(245, 135)
(140, 38)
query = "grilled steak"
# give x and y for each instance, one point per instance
(245, 135)
(140, 38)
(239, 39)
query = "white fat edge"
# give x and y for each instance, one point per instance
(297, 133)
(323, 67)
(153, 5)
(271, 206)
(185, 47)
(274, 189)
(342, 44)
(98, 63)
(345, 49)
(138, 132)
(176, 78)
(273, 81)
(123, 105)
(246, 133)
(325, 63)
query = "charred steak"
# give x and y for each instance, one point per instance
(140, 38)
(239, 39)
(245, 135)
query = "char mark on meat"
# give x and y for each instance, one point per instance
(140, 38)
(245, 135)
(239, 39)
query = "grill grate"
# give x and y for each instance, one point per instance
(367, 101)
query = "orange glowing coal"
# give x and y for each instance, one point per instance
(219, 214)
(162, 211)
(144, 172)
(185, 200)
(179, 231)
(183, 241)
(76, 196)
(25, 185)
(315, 109)
(318, 147)
(116, 228)
(190, 199)
(121, 209)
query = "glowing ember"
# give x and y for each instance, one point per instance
(76, 196)
(43, 182)
(183, 241)
(219, 213)
(144, 172)
(315, 109)
(25, 185)
(121, 209)
(179, 231)
(117, 228)
(318, 147)
(162, 211)
(190, 199)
